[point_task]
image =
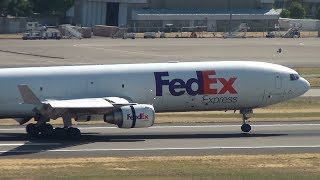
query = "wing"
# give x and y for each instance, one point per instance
(87, 106)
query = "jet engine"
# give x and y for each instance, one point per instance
(135, 116)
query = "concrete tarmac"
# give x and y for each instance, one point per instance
(302, 52)
(164, 140)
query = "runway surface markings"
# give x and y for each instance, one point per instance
(183, 126)
(119, 50)
(30, 144)
(144, 53)
(162, 149)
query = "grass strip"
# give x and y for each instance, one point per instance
(307, 70)
(282, 166)
(314, 81)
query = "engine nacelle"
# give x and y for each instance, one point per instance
(135, 116)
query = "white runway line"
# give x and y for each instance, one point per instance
(161, 149)
(29, 144)
(12, 129)
(219, 126)
(144, 53)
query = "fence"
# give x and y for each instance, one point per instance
(201, 31)
(187, 32)
(12, 25)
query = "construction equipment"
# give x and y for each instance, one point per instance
(270, 34)
(71, 32)
(151, 35)
(32, 35)
(238, 32)
(121, 33)
(35, 26)
(131, 35)
(50, 34)
(293, 32)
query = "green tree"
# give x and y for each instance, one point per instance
(285, 13)
(318, 13)
(52, 7)
(3, 7)
(297, 11)
(19, 8)
(296, 1)
(27, 7)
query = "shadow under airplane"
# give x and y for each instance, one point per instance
(36, 145)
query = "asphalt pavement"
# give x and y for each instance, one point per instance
(164, 140)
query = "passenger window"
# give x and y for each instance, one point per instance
(294, 77)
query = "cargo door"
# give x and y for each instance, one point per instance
(275, 93)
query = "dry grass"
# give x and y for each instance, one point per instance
(307, 70)
(10, 36)
(293, 166)
(314, 81)
(224, 161)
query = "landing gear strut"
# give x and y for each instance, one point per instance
(245, 116)
(42, 129)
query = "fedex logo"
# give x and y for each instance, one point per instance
(204, 80)
(141, 116)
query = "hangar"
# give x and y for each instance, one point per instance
(215, 14)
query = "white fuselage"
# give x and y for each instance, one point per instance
(194, 86)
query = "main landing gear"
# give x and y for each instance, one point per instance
(43, 129)
(245, 116)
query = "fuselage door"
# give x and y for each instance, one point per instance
(278, 81)
(274, 94)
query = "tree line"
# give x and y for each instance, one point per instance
(296, 10)
(26, 8)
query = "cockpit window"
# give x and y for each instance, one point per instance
(294, 77)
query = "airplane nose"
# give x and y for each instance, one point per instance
(305, 85)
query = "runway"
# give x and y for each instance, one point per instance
(164, 140)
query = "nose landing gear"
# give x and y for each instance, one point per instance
(245, 116)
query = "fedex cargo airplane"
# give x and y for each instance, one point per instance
(128, 95)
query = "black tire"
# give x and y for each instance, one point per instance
(47, 130)
(32, 130)
(246, 128)
(60, 133)
(74, 133)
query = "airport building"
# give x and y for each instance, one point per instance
(214, 14)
